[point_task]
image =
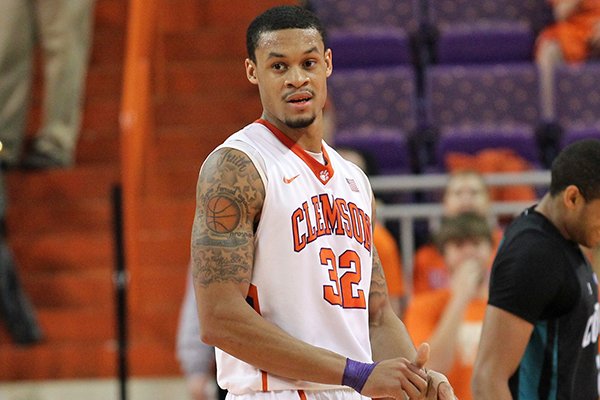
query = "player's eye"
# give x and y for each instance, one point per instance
(310, 63)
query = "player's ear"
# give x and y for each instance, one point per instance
(251, 71)
(572, 196)
(328, 62)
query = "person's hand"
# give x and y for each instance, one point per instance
(438, 387)
(467, 279)
(399, 378)
(202, 387)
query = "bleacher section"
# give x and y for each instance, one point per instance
(475, 84)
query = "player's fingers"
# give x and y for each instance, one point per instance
(413, 382)
(422, 355)
(412, 392)
(419, 371)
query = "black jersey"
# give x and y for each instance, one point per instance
(545, 279)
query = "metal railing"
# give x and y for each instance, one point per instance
(407, 214)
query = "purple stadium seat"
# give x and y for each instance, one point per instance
(375, 97)
(483, 106)
(577, 101)
(472, 139)
(388, 148)
(376, 112)
(579, 133)
(485, 42)
(364, 47)
(343, 14)
(468, 11)
(484, 31)
(365, 34)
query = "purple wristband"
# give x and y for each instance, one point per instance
(356, 374)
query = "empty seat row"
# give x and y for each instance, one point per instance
(463, 108)
(425, 31)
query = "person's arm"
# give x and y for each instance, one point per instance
(465, 285)
(492, 367)
(222, 255)
(196, 359)
(389, 337)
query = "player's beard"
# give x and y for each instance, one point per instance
(300, 122)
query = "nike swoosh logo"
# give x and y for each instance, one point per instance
(290, 180)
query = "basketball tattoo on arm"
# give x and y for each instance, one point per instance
(229, 197)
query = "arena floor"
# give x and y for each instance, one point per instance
(96, 389)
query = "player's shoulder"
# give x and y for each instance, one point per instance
(238, 152)
(533, 232)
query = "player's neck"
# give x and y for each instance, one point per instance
(550, 209)
(308, 138)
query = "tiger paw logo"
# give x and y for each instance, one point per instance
(324, 175)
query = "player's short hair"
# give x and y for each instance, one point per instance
(279, 18)
(578, 164)
(465, 226)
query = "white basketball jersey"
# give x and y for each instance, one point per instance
(313, 258)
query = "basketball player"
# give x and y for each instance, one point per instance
(543, 310)
(289, 286)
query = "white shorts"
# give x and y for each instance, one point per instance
(338, 394)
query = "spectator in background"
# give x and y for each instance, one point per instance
(574, 37)
(196, 359)
(15, 308)
(466, 191)
(63, 29)
(450, 319)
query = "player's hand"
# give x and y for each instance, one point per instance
(438, 387)
(398, 378)
(467, 279)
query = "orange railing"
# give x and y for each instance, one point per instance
(136, 125)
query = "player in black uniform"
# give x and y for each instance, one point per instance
(540, 332)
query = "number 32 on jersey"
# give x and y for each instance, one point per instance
(342, 290)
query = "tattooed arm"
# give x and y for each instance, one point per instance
(230, 196)
(390, 339)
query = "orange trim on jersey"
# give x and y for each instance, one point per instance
(302, 394)
(265, 385)
(323, 172)
(252, 298)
